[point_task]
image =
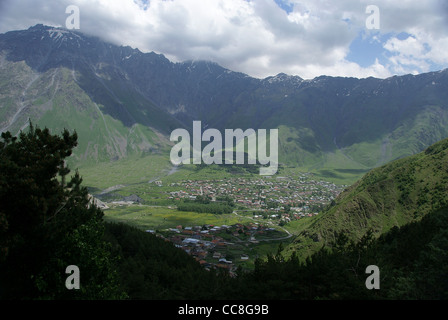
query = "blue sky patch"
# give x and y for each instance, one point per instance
(285, 5)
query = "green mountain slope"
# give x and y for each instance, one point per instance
(411, 264)
(54, 99)
(393, 195)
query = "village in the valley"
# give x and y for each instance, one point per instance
(222, 247)
(270, 203)
(285, 198)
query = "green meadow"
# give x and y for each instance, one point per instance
(159, 218)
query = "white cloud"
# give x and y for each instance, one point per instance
(417, 52)
(256, 37)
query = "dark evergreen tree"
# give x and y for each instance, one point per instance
(47, 224)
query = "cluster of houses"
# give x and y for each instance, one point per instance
(261, 193)
(209, 247)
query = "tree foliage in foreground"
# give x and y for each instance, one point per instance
(48, 223)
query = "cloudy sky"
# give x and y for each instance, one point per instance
(307, 38)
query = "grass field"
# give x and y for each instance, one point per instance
(130, 171)
(159, 218)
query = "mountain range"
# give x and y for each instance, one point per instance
(123, 103)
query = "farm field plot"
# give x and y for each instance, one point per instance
(153, 217)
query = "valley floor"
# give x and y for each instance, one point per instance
(266, 211)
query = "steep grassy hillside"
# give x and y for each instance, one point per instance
(395, 194)
(54, 99)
